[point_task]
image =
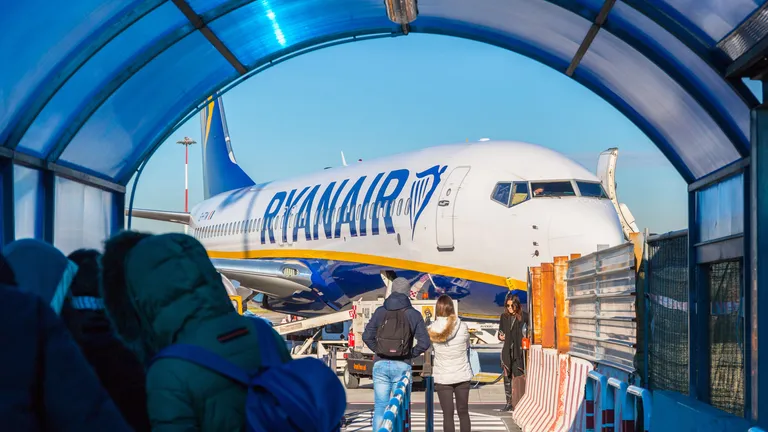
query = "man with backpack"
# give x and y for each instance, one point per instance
(390, 335)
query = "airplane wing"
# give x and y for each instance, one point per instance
(160, 215)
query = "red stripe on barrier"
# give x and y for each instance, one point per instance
(541, 418)
(628, 425)
(531, 384)
(575, 415)
(608, 416)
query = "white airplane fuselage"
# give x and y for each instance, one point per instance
(428, 215)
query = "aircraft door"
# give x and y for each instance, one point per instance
(445, 208)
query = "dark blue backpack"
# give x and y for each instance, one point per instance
(300, 395)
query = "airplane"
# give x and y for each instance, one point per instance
(464, 219)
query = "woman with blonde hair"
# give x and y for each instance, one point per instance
(452, 371)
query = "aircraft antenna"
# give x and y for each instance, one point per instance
(343, 160)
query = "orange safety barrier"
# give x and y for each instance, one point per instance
(533, 375)
(542, 413)
(536, 304)
(561, 305)
(547, 305)
(573, 418)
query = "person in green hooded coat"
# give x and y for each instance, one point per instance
(161, 290)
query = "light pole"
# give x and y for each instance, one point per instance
(186, 142)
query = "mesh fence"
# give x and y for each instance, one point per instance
(668, 312)
(726, 336)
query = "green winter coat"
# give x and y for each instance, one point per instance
(178, 297)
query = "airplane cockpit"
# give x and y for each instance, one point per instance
(510, 194)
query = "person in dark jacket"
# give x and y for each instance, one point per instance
(511, 324)
(41, 269)
(45, 382)
(161, 290)
(119, 370)
(387, 371)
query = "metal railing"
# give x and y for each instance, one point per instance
(397, 415)
(605, 396)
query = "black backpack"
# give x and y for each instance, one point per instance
(394, 338)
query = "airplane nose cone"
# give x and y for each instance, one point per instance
(587, 224)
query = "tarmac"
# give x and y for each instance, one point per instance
(483, 401)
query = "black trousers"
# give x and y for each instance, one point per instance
(445, 394)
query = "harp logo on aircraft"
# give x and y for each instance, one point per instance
(324, 209)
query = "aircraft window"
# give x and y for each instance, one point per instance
(552, 189)
(399, 206)
(501, 193)
(519, 193)
(357, 213)
(407, 206)
(390, 207)
(592, 190)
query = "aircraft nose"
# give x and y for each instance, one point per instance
(585, 225)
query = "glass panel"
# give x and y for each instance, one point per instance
(262, 28)
(720, 209)
(592, 190)
(501, 193)
(536, 28)
(38, 36)
(86, 84)
(552, 189)
(28, 196)
(715, 18)
(686, 62)
(131, 119)
(520, 193)
(629, 80)
(84, 216)
(726, 337)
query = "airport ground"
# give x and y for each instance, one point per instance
(483, 402)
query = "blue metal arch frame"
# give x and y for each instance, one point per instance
(666, 64)
(663, 15)
(501, 42)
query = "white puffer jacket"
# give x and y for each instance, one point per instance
(450, 339)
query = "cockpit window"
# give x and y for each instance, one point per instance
(592, 190)
(519, 193)
(552, 189)
(501, 193)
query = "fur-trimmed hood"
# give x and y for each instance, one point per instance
(444, 329)
(156, 287)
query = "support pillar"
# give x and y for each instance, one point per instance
(48, 212)
(8, 216)
(758, 267)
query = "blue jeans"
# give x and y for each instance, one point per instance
(386, 373)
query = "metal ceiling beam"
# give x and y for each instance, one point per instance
(591, 34)
(262, 65)
(61, 171)
(140, 60)
(199, 24)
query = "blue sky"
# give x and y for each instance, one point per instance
(387, 96)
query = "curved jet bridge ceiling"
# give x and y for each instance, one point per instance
(94, 86)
